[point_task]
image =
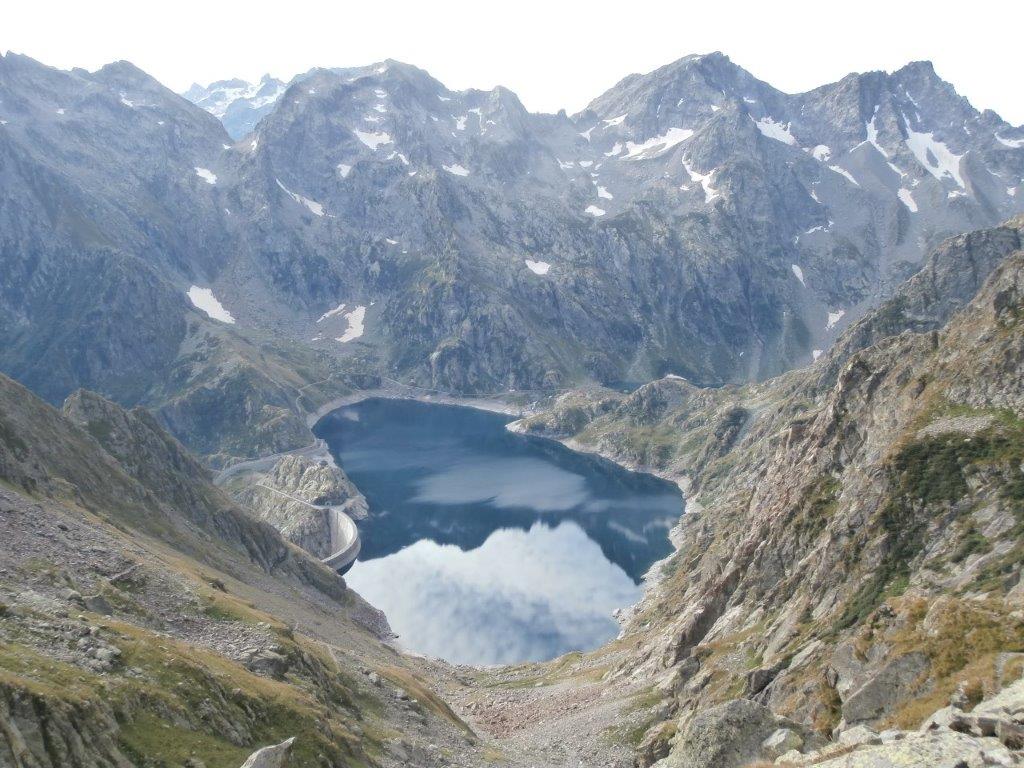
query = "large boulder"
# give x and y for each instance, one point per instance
(275, 756)
(896, 682)
(731, 735)
(935, 749)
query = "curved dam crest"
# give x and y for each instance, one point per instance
(345, 539)
(488, 547)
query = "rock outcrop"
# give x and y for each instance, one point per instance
(736, 734)
(275, 756)
(165, 471)
(743, 733)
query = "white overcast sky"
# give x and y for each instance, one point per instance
(553, 53)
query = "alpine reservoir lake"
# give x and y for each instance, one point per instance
(487, 547)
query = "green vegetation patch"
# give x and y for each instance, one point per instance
(152, 741)
(933, 472)
(183, 701)
(816, 508)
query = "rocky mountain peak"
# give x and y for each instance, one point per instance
(124, 72)
(693, 87)
(394, 70)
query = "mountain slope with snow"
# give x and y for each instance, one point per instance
(691, 221)
(237, 103)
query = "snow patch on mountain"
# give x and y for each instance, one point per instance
(538, 267)
(821, 153)
(935, 156)
(332, 313)
(704, 179)
(204, 300)
(313, 206)
(657, 145)
(773, 130)
(1011, 143)
(907, 199)
(355, 329)
(871, 128)
(206, 175)
(371, 139)
(843, 172)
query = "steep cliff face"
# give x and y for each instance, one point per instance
(853, 546)
(949, 278)
(107, 223)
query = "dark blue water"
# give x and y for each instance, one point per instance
(487, 547)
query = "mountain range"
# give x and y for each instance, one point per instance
(374, 223)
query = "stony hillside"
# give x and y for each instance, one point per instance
(849, 566)
(852, 548)
(147, 620)
(377, 225)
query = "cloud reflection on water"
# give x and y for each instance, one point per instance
(506, 483)
(521, 596)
